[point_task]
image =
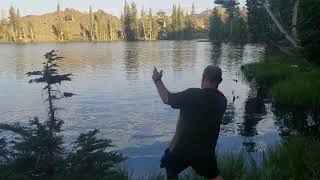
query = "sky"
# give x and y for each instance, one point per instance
(113, 7)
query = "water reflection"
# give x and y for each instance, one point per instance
(131, 60)
(216, 53)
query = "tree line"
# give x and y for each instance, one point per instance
(290, 26)
(133, 24)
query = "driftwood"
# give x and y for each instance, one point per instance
(282, 30)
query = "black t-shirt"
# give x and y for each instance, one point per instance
(198, 127)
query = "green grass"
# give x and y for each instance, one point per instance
(298, 159)
(293, 81)
(301, 92)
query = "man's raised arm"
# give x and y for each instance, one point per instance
(162, 90)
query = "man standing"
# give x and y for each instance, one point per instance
(198, 127)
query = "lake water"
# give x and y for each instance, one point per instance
(115, 93)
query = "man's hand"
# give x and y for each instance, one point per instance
(157, 75)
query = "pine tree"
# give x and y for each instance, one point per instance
(130, 21)
(15, 22)
(193, 18)
(150, 22)
(216, 26)
(230, 6)
(257, 20)
(31, 31)
(143, 24)
(91, 24)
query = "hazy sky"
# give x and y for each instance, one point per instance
(111, 6)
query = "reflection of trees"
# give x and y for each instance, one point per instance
(216, 53)
(227, 55)
(231, 56)
(291, 120)
(254, 111)
(179, 55)
(228, 115)
(131, 60)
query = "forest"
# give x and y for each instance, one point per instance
(134, 24)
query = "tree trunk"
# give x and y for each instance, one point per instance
(144, 30)
(110, 31)
(150, 35)
(295, 19)
(31, 34)
(282, 30)
(231, 28)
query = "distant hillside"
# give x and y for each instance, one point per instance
(73, 25)
(72, 19)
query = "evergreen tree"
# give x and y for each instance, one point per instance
(309, 30)
(193, 18)
(257, 20)
(91, 24)
(31, 31)
(216, 32)
(143, 21)
(16, 27)
(130, 21)
(230, 6)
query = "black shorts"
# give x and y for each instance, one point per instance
(205, 166)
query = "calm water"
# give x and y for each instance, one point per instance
(115, 93)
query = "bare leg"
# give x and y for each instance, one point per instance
(176, 177)
(218, 178)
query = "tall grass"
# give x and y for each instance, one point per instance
(298, 158)
(293, 81)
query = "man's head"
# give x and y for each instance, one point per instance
(212, 77)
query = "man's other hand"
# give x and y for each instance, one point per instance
(157, 75)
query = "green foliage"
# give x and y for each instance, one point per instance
(89, 157)
(293, 81)
(258, 22)
(297, 158)
(269, 73)
(309, 31)
(130, 21)
(301, 92)
(216, 27)
(228, 23)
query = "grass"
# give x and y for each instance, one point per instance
(292, 80)
(298, 158)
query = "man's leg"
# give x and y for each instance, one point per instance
(173, 165)
(171, 175)
(218, 178)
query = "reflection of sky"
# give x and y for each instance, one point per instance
(116, 93)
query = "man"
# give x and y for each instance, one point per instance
(198, 126)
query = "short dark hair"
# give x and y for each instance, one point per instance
(212, 73)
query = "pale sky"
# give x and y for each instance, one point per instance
(113, 7)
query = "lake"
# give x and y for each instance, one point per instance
(115, 93)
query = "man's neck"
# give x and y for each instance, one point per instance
(210, 87)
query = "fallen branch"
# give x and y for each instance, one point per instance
(282, 30)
